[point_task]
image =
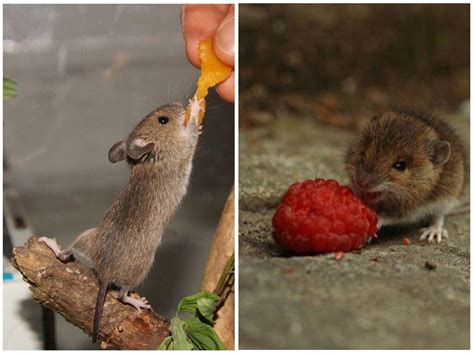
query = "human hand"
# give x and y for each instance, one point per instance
(216, 21)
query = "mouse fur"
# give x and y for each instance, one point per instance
(408, 166)
(121, 250)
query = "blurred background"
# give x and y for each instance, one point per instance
(340, 63)
(86, 74)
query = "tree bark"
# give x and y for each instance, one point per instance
(222, 249)
(71, 289)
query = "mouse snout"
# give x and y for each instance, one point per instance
(363, 180)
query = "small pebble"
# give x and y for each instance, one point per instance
(430, 266)
(406, 241)
(375, 258)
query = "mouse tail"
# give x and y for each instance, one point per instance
(99, 307)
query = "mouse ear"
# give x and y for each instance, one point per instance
(117, 152)
(138, 147)
(441, 153)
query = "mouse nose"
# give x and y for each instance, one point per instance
(363, 179)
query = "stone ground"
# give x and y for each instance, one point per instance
(355, 303)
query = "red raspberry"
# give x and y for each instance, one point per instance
(321, 216)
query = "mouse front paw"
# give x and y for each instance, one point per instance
(433, 233)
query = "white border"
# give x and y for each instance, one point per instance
(1, 173)
(236, 135)
(236, 178)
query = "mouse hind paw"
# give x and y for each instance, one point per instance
(56, 249)
(139, 304)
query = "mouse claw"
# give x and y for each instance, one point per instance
(445, 234)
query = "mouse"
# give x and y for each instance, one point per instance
(409, 167)
(121, 249)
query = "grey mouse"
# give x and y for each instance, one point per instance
(122, 248)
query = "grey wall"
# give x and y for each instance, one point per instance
(86, 74)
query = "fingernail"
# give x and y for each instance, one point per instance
(225, 37)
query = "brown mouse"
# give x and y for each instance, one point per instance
(408, 167)
(122, 248)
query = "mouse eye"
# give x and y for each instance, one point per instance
(400, 165)
(163, 119)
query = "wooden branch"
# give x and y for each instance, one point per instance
(71, 289)
(221, 250)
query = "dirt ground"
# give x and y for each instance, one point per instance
(317, 302)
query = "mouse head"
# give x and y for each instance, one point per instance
(396, 161)
(160, 137)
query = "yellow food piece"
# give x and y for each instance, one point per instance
(213, 72)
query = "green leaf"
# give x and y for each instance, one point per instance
(9, 89)
(207, 307)
(166, 344)
(203, 335)
(180, 339)
(197, 332)
(190, 304)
